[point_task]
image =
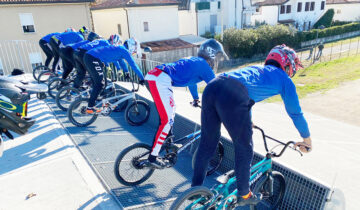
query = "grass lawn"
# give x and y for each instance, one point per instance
(343, 41)
(325, 76)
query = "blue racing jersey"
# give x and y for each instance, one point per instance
(69, 37)
(95, 44)
(114, 54)
(265, 81)
(188, 72)
(48, 37)
(75, 46)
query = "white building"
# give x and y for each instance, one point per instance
(302, 14)
(146, 20)
(209, 15)
(345, 10)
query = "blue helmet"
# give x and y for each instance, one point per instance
(115, 40)
(92, 36)
(70, 29)
(212, 51)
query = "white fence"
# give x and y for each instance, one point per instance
(21, 54)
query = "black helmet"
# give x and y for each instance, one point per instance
(92, 36)
(9, 121)
(212, 50)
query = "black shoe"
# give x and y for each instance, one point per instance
(252, 200)
(158, 163)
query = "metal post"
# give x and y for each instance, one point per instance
(357, 49)
(349, 48)
(19, 54)
(332, 45)
(340, 48)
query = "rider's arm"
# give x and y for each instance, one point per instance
(194, 91)
(123, 65)
(291, 101)
(126, 55)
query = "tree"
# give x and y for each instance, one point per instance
(326, 19)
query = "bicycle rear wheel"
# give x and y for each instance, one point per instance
(215, 161)
(128, 169)
(272, 189)
(54, 86)
(38, 70)
(194, 198)
(65, 96)
(77, 113)
(137, 113)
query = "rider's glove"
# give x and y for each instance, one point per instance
(127, 75)
(142, 82)
(196, 103)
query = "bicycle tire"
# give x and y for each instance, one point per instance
(120, 159)
(75, 120)
(54, 85)
(45, 76)
(133, 109)
(121, 106)
(38, 70)
(63, 93)
(199, 194)
(271, 201)
(215, 162)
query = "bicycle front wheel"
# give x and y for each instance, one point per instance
(54, 86)
(198, 197)
(77, 113)
(45, 76)
(215, 160)
(273, 190)
(137, 113)
(65, 96)
(38, 70)
(129, 170)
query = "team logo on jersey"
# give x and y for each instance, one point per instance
(172, 103)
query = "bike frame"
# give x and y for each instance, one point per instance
(190, 139)
(124, 97)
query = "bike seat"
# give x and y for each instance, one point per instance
(223, 179)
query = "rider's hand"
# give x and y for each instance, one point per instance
(142, 82)
(127, 75)
(305, 146)
(196, 103)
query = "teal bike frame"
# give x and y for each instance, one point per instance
(222, 192)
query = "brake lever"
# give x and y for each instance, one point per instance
(196, 105)
(294, 148)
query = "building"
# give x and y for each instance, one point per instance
(200, 17)
(146, 20)
(345, 10)
(301, 14)
(24, 22)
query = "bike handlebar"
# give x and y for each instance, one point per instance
(286, 145)
(195, 105)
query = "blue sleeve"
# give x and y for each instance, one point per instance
(207, 74)
(126, 55)
(194, 91)
(292, 106)
(123, 65)
(117, 66)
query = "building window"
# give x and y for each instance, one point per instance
(1, 68)
(304, 27)
(202, 6)
(219, 5)
(312, 6)
(146, 26)
(307, 6)
(119, 29)
(27, 22)
(35, 59)
(299, 7)
(322, 5)
(309, 25)
(282, 9)
(288, 8)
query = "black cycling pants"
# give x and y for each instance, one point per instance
(55, 49)
(66, 54)
(225, 100)
(47, 50)
(78, 56)
(94, 67)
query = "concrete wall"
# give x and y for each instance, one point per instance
(163, 23)
(106, 22)
(330, 38)
(47, 19)
(346, 12)
(269, 14)
(187, 21)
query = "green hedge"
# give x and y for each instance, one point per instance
(326, 19)
(248, 42)
(332, 31)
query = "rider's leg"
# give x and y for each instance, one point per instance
(49, 54)
(67, 58)
(55, 50)
(161, 91)
(78, 59)
(210, 133)
(94, 67)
